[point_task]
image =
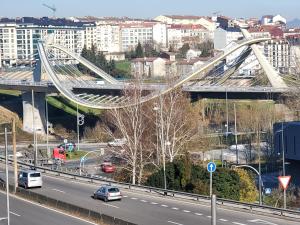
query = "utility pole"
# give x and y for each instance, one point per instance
(15, 154)
(235, 132)
(6, 174)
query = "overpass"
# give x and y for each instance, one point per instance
(55, 75)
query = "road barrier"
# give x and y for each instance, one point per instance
(71, 209)
(263, 209)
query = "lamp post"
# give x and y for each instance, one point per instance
(47, 129)
(235, 134)
(6, 174)
(283, 165)
(34, 129)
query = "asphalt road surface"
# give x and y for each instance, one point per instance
(24, 212)
(148, 208)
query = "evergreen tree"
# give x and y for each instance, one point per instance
(139, 52)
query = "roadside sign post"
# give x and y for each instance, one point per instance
(211, 167)
(213, 210)
(284, 182)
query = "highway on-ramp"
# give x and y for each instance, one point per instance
(150, 208)
(27, 213)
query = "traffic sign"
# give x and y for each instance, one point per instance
(65, 141)
(284, 181)
(211, 167)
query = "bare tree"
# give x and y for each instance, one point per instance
(133, 124)
(178, 123)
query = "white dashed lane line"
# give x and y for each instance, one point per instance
(169, 221)
(154, 203)
(110, 205)
(164, 206)
(134, 198)
(58, 190)
(14, 213)
(186, 211)
(3, 218)
(223, 220)
(237, 223)
(198, 214)
(144, 200)
(174, 208)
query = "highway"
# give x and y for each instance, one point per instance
(149, 208)
(24, 212)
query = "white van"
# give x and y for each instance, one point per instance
(30, 178)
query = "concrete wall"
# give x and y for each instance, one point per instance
(39, 121)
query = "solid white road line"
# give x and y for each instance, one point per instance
(110, 205)
(223, 220)
(50, 209)
(169, 221)
(3, 218)
(237, 223)
(54, 189)
(14, 213)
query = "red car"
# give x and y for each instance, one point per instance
(108, 168)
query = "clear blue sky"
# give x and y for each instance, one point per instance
(150, 8)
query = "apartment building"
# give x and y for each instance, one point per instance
(20, 36)
(179, 34)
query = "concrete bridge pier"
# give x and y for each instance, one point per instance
(34, 116)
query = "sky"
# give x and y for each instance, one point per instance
(145, 9)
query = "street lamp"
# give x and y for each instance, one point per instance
(259, 180)
(34, 129)
(155, 108)
(81, 163)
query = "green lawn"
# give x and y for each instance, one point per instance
(10, 92)
(58, 104)
(123, 66)
(76, 154)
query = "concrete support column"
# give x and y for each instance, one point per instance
(39, 121)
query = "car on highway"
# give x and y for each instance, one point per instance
(108, 167)
(108, 193)
(30, 178)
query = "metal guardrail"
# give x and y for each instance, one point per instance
(166, 192)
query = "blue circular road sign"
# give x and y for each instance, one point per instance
(211, 167)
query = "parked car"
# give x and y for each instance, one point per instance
(108, 167)
(108, 193)
(30, 178)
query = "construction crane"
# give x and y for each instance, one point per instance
(53, 8)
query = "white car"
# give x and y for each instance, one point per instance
(117, 142)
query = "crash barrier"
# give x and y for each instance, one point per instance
(71, 209)
(260, 209)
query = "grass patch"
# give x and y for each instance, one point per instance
(10, 92)
(123, 67)
(75, 154)
(58, 104)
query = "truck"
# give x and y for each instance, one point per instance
(59, 154)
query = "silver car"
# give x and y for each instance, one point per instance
(108, 193)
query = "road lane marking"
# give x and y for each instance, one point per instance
(125, 196)
(110, 205)
(198, 214)
(237, 223)
(174, 208)
(3, 218)
(208, 216)
(50, 209)
(54, 189)
(144, 200)
(154, 203)
(223, 220)
(134, 198)
(169, 221)
(261, 222)
(164, 206)
(187, 211)
(14, 213)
